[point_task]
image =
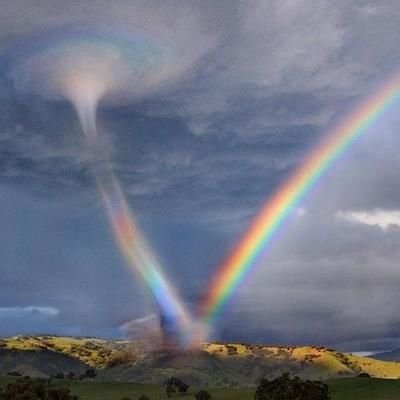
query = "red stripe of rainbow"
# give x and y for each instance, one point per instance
(276, 211)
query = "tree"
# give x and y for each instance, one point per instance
(59, 394)
(288, 388)
(173, 385)
(71, 375)
(143, 397)
(14, 373)
(169, 389)
(202, 395)
(35, 389)
(182, 387)
(91, 373)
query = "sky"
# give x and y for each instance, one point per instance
(230, 99)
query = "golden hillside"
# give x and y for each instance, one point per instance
(217, 364)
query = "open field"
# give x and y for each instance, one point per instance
(340, 389)
(364, 389)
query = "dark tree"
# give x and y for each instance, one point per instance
(173, 385)
(182, 387)
(71, 375)
(14, 373)
(288, 388)
(202, 395)
(169, 389)
(91, 373)
(35, 389)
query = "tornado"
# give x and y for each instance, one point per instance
(87, 66)
(85, 92)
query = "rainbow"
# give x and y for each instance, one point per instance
(144, 59)
(174, 317)
(140, 258)
(276, 211)
(63, 63)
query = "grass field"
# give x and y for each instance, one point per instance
(365, 389)
(340, 389)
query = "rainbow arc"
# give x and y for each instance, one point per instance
(265, 226)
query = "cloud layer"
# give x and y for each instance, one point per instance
(246, 90)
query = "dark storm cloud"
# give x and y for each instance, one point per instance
(333, 278)
(264, 80)
(51, 257)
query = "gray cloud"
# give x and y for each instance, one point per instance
(27, 312)
(17, 319)
(330, 280)
(253, 87)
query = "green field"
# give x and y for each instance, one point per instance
(341, 389)
(365, 389)
(116, 391)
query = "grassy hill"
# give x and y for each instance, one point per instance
(41, 363)
(214, 365)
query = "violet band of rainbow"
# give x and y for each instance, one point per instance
(138, 255)
(265, 226)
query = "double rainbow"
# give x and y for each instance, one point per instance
(153, 62)
(277, 210)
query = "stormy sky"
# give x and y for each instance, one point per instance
(251, 88)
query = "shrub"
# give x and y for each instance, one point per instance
(14, 373)
(232, 350)
(173, 385)
(91, 373)
(291, 389)
(71, 375)
(202, 395)
(169, 390)
(33, 389)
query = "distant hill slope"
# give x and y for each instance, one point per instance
(393, 355)
(38, 363)
(231, 365)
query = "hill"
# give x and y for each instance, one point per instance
(393, 355)
(214, 365)
(38, 363)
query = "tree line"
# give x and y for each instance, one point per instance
(283, 387)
